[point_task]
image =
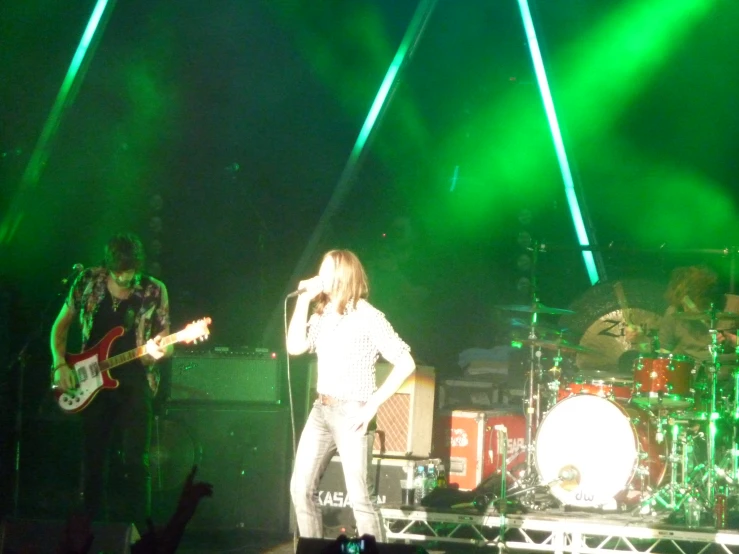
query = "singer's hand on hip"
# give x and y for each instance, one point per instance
(363, 418)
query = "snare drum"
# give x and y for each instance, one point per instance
(593, 452)
(611, 388)
(664, 380)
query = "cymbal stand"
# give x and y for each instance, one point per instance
(531, 398)
(713, 369)
(735, 432)
(710, 470)
(554, 382)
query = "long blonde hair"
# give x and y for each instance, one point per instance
(696, 281)
(350, 282)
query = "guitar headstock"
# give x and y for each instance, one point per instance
(195, 331)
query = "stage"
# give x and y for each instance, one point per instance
(551, 531)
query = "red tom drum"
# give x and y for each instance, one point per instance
(663, 380)
(611, 388)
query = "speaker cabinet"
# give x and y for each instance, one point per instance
(35, 535)
(242, 451)
(405, 420)
(226, 377)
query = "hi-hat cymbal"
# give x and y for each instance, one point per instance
(560, 344)
(540, 329)
(536, 307)
(706, 316)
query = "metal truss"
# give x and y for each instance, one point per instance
(563, 533)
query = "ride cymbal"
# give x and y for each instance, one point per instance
(540, 329)
(560, 344)
(536, 307)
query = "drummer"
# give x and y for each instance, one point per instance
(691, 290)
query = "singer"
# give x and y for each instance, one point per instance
(103, 298)
(348, 335)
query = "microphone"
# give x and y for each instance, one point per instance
(298, 292)
(303, 289)
(76, 270)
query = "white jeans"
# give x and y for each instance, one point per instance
(326, 432)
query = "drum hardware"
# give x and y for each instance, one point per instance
(713, 368)
(677, 490)
(554, 383)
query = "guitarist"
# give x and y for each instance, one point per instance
(103, 298)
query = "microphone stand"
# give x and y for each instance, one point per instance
(20, 360)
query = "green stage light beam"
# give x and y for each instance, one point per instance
(64, 99)
(382, 100)
(564, 166)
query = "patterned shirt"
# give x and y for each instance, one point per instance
(90, 288)
(684, 336)
(348, 345)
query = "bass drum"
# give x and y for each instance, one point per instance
(593, 452)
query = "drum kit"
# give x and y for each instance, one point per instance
(661, 440)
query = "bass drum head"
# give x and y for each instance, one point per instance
(586, 451)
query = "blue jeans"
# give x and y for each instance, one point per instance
(327, 432)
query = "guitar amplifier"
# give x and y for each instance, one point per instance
(226, 377)
(405, 420)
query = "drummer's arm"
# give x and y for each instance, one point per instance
(729, 338)
(667, 335)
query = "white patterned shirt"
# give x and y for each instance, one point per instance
(348, 345)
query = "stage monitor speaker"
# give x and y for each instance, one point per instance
(332, 546)
(227, 377)
(242, 451)
(405, 420)
(43, 536)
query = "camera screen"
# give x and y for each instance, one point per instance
(353, 546)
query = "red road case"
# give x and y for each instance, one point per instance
(471, 441)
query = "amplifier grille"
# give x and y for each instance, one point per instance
(226, 379)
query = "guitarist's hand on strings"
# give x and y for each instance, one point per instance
(64, 377)
(153, 351)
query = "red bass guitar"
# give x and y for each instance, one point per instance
(92, 367)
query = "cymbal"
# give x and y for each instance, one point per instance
(540, 328)
(560, 344)
(536, 307)
(707, 315)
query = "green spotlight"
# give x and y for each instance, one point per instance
(410, 40)
(64, 98)
(564, 166)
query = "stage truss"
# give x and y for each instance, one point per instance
(558, 533)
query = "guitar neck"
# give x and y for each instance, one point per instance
(135, 353)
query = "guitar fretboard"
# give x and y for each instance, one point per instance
(138, 352)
